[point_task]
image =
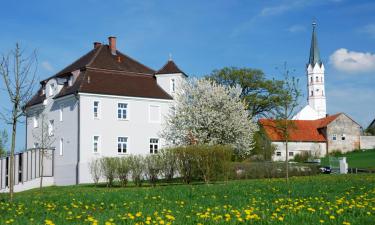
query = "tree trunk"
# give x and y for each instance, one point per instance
(11, 161)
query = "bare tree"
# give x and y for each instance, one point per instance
(284, 113)
(19, 74)
(45, 138)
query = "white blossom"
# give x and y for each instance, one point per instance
(209, 113)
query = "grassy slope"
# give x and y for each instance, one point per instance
(311, 199)
(357, 159)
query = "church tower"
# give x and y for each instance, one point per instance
(315, 78)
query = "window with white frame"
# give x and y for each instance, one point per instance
(96, 140)
(36, 121)
(61, 112)
(173, 85)
(51, 89)
(343, 137)
(154, 145)
(154, 113)
(51, 126)
(278, 153)
(61, 146)
(122, 145)
(96, 109)
(334, 137)
(291, 153)
(122, 109)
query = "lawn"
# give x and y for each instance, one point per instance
(357, 159)
(324, 199)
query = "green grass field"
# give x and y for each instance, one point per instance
(357, 159)
(325, 199)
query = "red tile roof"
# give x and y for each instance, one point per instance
(302, 131)
(170, 67)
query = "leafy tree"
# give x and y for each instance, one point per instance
(209, 113)
(260, 94)
(18, 73)
(3, 143)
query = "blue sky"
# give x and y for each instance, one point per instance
(206, 35)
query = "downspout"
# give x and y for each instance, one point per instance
(78, 136)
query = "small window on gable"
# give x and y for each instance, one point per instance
(334, 137)
(343, 137)
(70, 81)
(278, 153)
(173, 85)
(51, 89)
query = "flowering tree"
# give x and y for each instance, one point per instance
(209, 113)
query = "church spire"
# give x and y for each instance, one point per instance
(314, 49)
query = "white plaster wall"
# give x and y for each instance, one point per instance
(137, 128)
(64, 165)
(318, 100)
(47, 181)
(298, 147)
(367, 142)
(164, 81)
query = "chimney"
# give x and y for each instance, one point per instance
(112, 44)
(97, 44)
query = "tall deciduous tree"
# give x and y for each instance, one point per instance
(284, 112)
(209, 113)
(18, 73)
(260, 94)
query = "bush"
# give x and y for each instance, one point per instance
(123, 170)
(108, 166)
(95, 170)
(335, 153)
(169, 163)
(136, 163)
(302, 157)
(152, 168)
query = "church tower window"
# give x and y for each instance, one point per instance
(317, 79)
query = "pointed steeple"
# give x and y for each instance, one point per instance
(314, 49)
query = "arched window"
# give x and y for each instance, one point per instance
(312, 93)
(317, 79)
(311, 79)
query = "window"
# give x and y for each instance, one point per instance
(173, 85)
(311, 79)
(278, 153)
(312, 93)
(317, 79)
(291, 153)
(154, 113)
(70, 81)
(343, 137)
(122, 145)
(61, 146)
(35, 120)
(51, 127)
(96, 109)
(51, 89)
(122, 111)
(334, 137)
(154, 145)
(61, 112)
(96, 144)
(36, 145)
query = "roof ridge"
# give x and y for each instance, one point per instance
(95, 55)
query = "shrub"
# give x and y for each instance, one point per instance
(152, 168)
(108, 166)
(302, 157)
(95, 170)
(186, 163)
(335, 153)
(169, 163)
(123, 170)
(136, 163)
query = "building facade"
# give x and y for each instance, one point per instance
(103, 104)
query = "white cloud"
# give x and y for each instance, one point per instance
(368, 30)
(47, 66)
(296, 28)
(353, 62)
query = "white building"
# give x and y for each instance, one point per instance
(316, 99)
(103, 104)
